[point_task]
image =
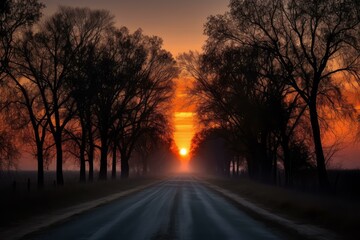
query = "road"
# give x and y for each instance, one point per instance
(179, 208)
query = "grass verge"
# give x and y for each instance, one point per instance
(334, 213)
(18, 206)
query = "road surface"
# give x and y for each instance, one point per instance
(179, 208)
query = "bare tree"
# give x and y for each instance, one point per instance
(315, 42)
(154, 91)
(25, 110)
(83, 85)
(49, 57)
(15, 16)
(135, 76)
(155, 131)
(114, 76)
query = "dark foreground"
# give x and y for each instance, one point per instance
(179, 208)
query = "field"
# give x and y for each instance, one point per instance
(20, 203)
(338, 211)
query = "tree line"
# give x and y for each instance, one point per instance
(272, 75)
(75, 85)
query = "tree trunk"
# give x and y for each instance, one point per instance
(59, 160)
(91, 163)
(103, 159)
(275, 169)
(40, 161)
(82, 154)
(144, 165)
(238, 165)
(233, 167)
(91, 153)
(124, 166)
(250, 165)
(227, 168)
(287, 163)
(82, 164)
(113, 172)
(265, 159)
(320, 159)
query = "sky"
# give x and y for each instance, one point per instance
(179, 23)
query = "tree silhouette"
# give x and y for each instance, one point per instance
(83, 86)
(15, 17)
(235, 97)
(80, 83)
(154, 90)
(49, 56)
(313, 42)
(115, 77)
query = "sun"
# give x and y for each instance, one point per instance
(183, 152)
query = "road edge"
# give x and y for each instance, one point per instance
(306, 230)
(43, 221)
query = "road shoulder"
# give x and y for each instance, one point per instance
(43, 221)
(306, 230)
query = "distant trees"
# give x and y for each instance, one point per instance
(148, 111)
(304, 51)
(78, 80)
(240, 94)
(135, 81)
(156, 135)
(211, 153)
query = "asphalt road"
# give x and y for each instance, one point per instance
(179, 208)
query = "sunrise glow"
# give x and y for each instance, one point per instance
(184, 116)
(183, 152)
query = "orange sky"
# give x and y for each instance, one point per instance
(178, 23)
(184, 116)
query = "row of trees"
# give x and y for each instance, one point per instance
(75, 82)
(272, 73)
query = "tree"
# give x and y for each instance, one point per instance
(154, 91)
(155, 131)
(134, 76)
(15, 16)
(210, 152)
(83, 85)
(113, 77)
(49, 57)
(240, 92)
(25, 111)
(314, 42)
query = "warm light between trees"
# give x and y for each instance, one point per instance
(183, 152)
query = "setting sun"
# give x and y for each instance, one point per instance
(183, 152)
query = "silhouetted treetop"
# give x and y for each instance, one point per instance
(299, 55)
